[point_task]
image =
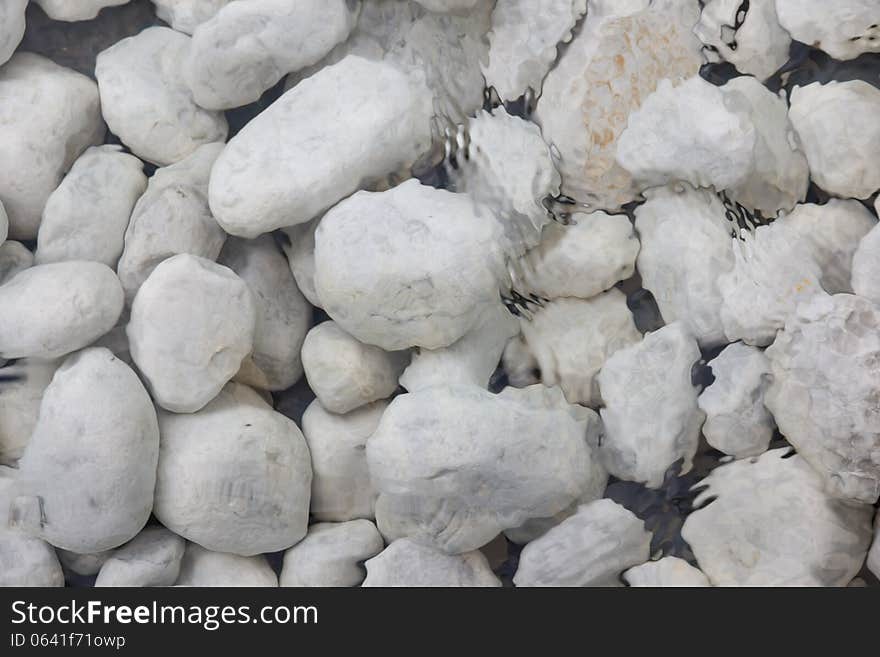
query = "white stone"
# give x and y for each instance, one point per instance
(771, 524)
(737, 422)
(844, 28)
(14, 258)
(247, 47)
(595, 481)
(85, 218)
(824, 391)
(759, 46)
(346, 374)
(201, 567)
(582, 259)
(24, 560)
(843, 154)
(507, 166)
(687, 133)
(331, 554)
(12, 24)
(300, 254)
(833, 231)
(571, 339)
(186, 15)
(87, 564)
(87, 475)
(235, 476)
(665, 573)
(76, 10)
(341, 486)
(685, 247)
(472, 359)
(454, 466)
(773, 272)
(779, 174)
(651, 418)
(192, 323)
(411, 266)
(866, 267)
(52, 310)
(152, 558)
(591, 548)
(20, 405)
(406, 563)
(623, 50)
(48, 116)
(315, 146)
(146, 101)
(283, 314)
(523, 41)
(171, 217)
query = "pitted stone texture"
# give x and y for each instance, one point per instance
(824, 393)
(771, 524)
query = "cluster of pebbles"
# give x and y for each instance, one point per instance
(439, 292)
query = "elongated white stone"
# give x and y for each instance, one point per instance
(86, 217)
(315, 146)
(666, 572)
(844, 28)
(12, 24)
(186, 15)
(866, 267)
(20, 405)
(201, 567)
(52, 310)
(76, 10)
(152, 558)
